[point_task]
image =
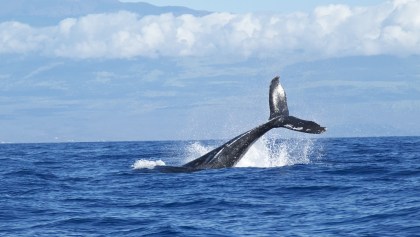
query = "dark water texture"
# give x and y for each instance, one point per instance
(350, 187)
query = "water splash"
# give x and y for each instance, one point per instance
(195, 150)
(147, 164)
(264, 153)
(274, 153)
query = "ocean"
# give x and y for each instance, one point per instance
(282, 187)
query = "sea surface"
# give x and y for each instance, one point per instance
(283, 187)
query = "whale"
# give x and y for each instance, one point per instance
(231, 152)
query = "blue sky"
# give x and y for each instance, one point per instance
(107, 71)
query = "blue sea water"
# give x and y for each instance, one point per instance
(295, 187)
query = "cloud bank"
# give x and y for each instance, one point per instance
(328, 31)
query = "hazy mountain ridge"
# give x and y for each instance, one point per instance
(350, 95)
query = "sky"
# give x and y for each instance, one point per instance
(246, 6)
(105, 70)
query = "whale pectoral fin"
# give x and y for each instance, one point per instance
(300, 125)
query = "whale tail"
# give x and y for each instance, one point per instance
(279, 112)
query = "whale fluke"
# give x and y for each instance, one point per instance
(277, 99)
(300, 125)
(279, 111)
(229, 154)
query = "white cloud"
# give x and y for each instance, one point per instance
(16, 37)
(329, 31)
(332, 16)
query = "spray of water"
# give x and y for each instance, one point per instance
(195, 150)
(264, 153)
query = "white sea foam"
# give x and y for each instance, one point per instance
(147, 164)
(264, 153)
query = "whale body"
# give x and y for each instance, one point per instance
(230, 153)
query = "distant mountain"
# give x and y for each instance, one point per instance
(49, 12)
